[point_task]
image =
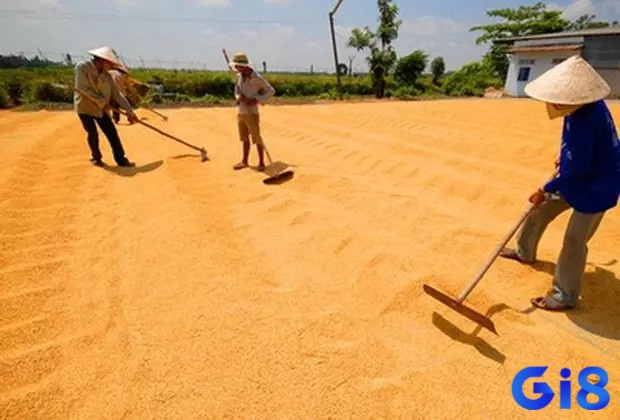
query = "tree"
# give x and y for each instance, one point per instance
(410, 67)
(438, 68)
(588, 22)
(381, 57)
(68, 60)
(522, 21)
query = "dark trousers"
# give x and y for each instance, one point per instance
(108, 128)
(116, 116)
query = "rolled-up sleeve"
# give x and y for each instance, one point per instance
(265, 90)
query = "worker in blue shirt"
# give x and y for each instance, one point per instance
(588, 178)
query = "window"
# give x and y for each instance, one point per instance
(524, 74)
(526, 62)
(557, 60)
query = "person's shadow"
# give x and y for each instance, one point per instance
(133, 171)
(598, 310)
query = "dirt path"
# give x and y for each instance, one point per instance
(183, 289)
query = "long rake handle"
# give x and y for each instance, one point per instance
(493, 257)
(170, 136)
(122, 111)
(496, 253)
(155, 112)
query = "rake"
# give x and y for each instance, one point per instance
(457, 304)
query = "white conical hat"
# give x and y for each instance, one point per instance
(572, 82)
(110, 55)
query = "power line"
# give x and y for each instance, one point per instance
(30, 14)
(157, 63)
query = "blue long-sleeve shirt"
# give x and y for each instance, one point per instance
(589, 172)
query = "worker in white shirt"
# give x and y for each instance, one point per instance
(250, 90)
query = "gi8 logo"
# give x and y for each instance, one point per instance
(547, 394)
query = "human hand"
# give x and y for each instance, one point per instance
(537, 198)
(245, 100)
(133, 119)
(557, 163)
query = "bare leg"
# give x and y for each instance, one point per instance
(261, 156)
(244, 136)
(246, 155)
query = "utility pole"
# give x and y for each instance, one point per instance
(333, 32)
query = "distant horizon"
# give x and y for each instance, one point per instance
(190, 34)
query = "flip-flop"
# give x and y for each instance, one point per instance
(512, 254)
(260, 168)
(240, 165)
(549, 303)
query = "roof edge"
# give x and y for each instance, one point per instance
(566, 34)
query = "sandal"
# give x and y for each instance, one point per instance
(240, 165)
(549, 303)
(260, 168)
(512, 254)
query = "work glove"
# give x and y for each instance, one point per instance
(537, 198)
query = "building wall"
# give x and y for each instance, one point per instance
(612, 77)
(529, 66)
(603, 52)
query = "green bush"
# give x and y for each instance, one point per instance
(471, 80)
(5, 99)
(45, 91)
(410, 67)
(405, 92)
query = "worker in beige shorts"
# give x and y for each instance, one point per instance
(250, 90)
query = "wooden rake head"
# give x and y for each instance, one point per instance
(468, 312)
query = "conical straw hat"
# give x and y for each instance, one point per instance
(572, 82)
(240, 59)
(110, 55)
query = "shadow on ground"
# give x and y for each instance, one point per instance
(196, 156)
(598, 310)
(472, 338)
(277, 173)
(129, 172)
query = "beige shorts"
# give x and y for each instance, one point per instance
(249, 126)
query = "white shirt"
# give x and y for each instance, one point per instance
(254, 87)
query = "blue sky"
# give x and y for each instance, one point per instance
(289, 34)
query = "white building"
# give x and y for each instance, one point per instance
(531, 56)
